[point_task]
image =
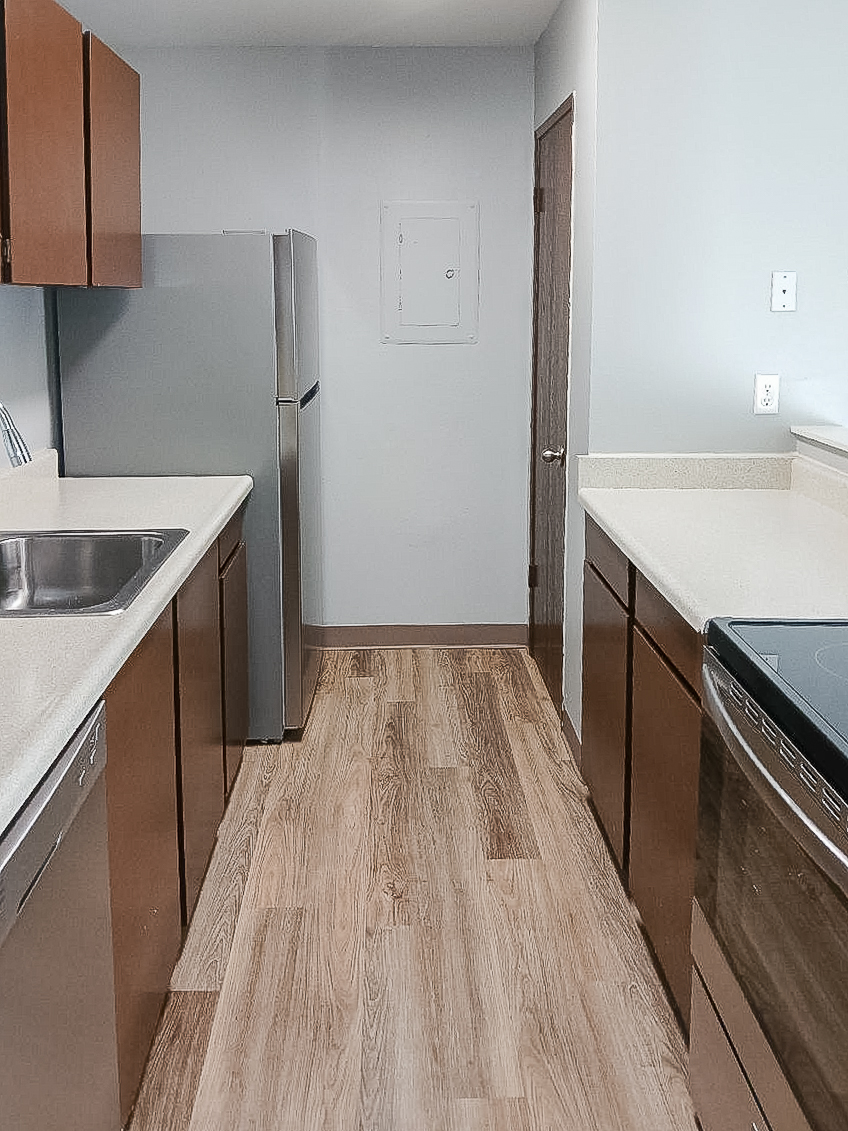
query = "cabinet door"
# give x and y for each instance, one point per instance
(606, 632)
(113, 93)
(234, 659)
(200, 727)
(665, 755)
(44, 186)
(144, 869)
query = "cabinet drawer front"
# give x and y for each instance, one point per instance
(677, 639)
(723, 1101)
(610, 562)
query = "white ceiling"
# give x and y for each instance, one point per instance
(322, 23)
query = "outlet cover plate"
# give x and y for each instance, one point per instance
(766, 394)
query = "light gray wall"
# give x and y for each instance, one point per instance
(720, 157)
(426, 507)
(23, 365)
(425, 448)
(566, 63)
(230, 138)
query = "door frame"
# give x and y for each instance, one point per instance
(565, 108)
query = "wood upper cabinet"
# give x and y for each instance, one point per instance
(114, 167)
(43, 177)
(200, 724)
(70, 199)
(141, 794)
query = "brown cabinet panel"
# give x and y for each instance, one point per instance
(229, 538)
(608, 560)
(200, 725)
(665, 756)
(44, 203)
(680, 643)
(143, 845)
(114, 155)
(606, 676)
(234, 660)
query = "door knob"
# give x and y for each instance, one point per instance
(549, 456)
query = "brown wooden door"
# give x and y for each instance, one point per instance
(141, 789)
(113, 93)
(606, 674)
(550, 389)
(234, 659)
(200, 727)
(665, 759)
(43, 205)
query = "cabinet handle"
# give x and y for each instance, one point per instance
(550, 456)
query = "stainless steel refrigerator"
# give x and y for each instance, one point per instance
(212, 368)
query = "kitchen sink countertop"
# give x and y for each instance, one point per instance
(754, 536)
(55, 668)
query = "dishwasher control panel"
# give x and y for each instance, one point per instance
(29, 843)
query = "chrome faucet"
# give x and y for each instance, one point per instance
(16, 447)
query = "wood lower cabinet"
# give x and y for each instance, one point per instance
(641, 745)
(143, 845)
(165, 787)
(200, 730)
(607, 628)
(43, 151)
(234, 659)
(665, 757)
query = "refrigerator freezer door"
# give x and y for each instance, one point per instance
(296, 314)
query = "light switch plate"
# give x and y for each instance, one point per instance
(784, 286)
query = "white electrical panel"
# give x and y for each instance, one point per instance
(429, 271)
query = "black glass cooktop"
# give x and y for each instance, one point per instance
(797, 671)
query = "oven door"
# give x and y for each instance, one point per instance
(772, 881)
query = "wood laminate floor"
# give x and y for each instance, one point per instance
(411, 923)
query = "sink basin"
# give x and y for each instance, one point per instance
(72, 572)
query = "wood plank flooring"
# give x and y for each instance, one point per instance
(411, 923)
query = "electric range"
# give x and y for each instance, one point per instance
(797, 671)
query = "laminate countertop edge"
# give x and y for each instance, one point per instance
(775, 549)
(56, 668)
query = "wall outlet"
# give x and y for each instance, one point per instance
(766, 393)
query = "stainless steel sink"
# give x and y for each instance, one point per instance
(71, 572)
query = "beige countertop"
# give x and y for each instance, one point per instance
(55, 668)
(752, 536)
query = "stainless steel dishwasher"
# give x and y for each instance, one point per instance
(58, 1051)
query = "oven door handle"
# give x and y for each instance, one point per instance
(798, 824)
